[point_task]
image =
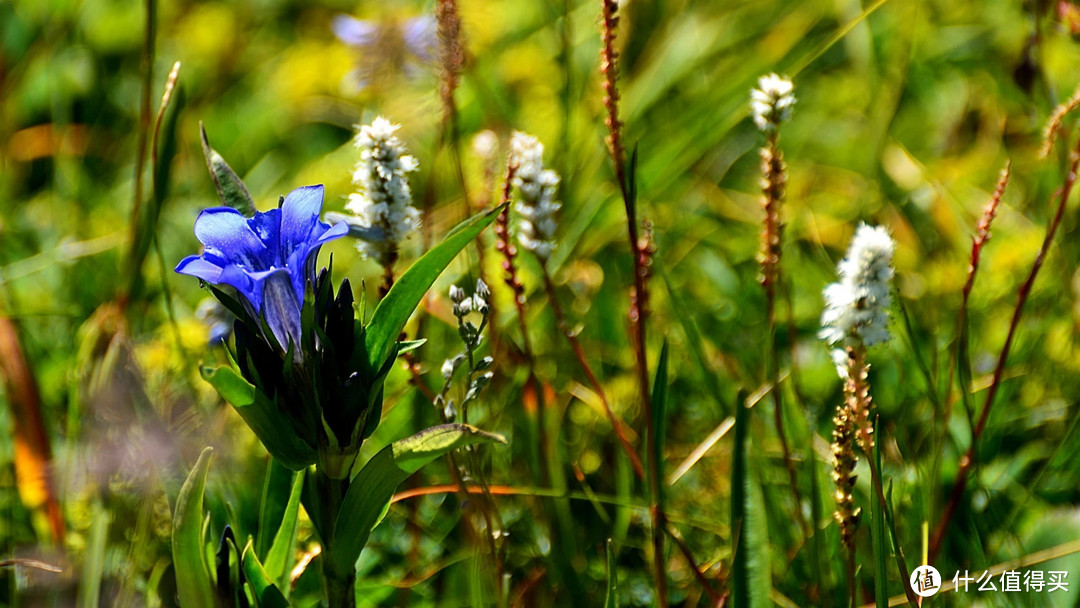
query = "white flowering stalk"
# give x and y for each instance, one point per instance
(771, 102)
(384, 214)
(857, 307)
(536, 189)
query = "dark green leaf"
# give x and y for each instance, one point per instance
(266, 421)
(878, 540)
(267, 595)
(659, 417)
(277, 487)
(230, 189)
(279, 561)
(611, 599)
(750, 575)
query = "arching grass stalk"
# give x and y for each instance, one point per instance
(639, 294)
(969, 458)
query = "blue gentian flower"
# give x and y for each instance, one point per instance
(387, 47)
(268, 258)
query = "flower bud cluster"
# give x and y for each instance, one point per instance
(479, 369)
(771, 102)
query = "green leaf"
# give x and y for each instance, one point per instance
(263, 416)
(369, 494)
(279, 561)
(750, 576)
(267, 595)
(659, 418)
(275, 497)
(193, 584)
(878, 540)
(611, 600)
(230, 189)
(394, 309)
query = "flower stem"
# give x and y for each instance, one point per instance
(968, 459)
(579, 352)
(639, 294)
(340, 583)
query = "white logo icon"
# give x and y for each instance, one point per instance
(925, 581)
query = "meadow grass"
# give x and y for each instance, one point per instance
(676, 432)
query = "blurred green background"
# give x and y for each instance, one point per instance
(907, 110)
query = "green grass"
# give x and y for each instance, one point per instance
(906, 112)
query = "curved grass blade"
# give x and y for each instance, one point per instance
(193, 584)
(611, 600)
(279, 560)
(878, 539)
(750, 577)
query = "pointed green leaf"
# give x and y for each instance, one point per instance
(659, 417)
(230, 189)
(369, 494)
(394, 309)
(193, 584)
(269, 424)
(611, 600)
(279, 561)
(750, 576)
(277, 486)
(877, 538)
(267, 595)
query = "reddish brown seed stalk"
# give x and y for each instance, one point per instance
(1025, 291)
(773, 184)
(451, 55)
(639, 294)
(610, 71)
(982, 235)
(505, 245)
(1053, 126)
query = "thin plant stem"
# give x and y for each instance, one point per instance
(639, 295)
(773, 183)
(859, 403)
(597, 387)
(715, 598)
(969, 458)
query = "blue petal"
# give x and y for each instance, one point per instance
(267, 226)
(354, 31)
(299, 216)
(281, 310)
(419, 34)
(336, 231)
(196, 266)
(226, 233)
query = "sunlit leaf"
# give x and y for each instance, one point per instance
(369, 494)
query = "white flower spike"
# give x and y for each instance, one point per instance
(857, 306)
(382, 203)
(536, 188)
(771, 102)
